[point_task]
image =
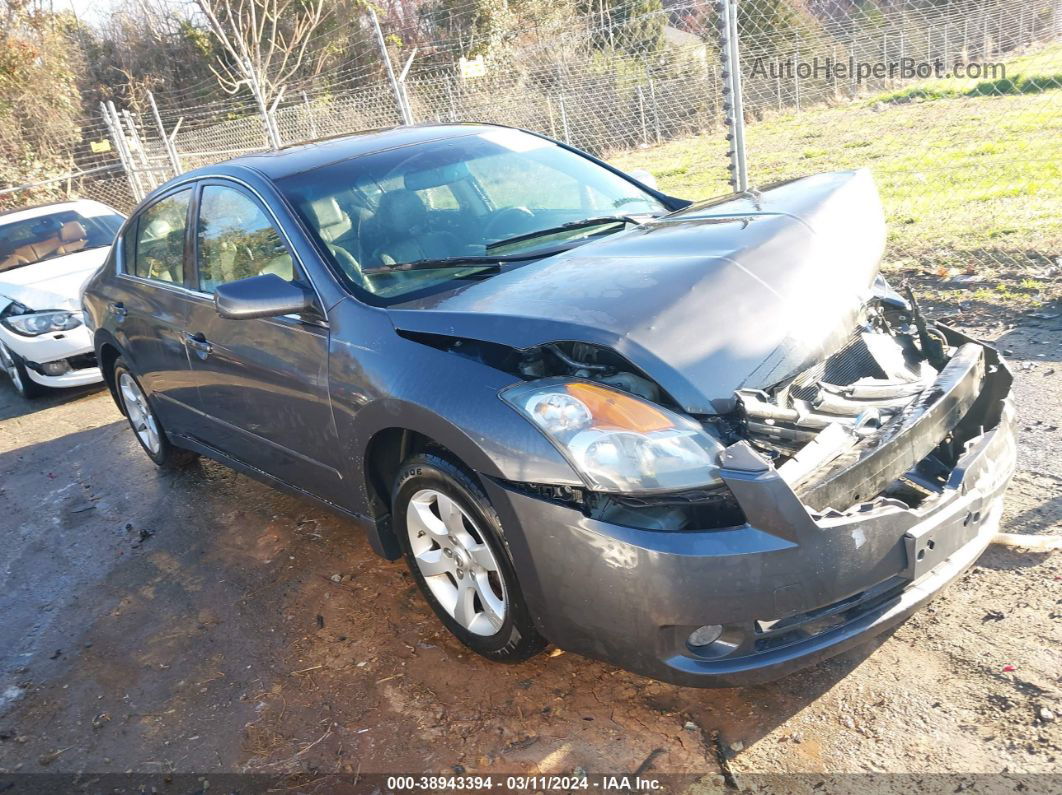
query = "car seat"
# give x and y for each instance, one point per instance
(156, 249)
(72, 237)
(337, 231)
(402, 233)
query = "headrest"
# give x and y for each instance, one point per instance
(72, 232)
(332, 222)
(401, 210)
(157, 229)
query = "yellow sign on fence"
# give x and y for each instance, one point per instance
(99, 147)
(472, 67)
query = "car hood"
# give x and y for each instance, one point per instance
(723, 295)
(53, 284)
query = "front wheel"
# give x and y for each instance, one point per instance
(15, 368)
(451, 537)
(145, 424)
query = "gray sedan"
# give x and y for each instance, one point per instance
(705, 441)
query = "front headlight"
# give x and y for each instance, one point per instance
(36, 323)
(618, 442)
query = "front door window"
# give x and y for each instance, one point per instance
(237, 240)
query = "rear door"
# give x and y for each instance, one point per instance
(263, 383)
(151, 303)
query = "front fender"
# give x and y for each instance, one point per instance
(385, 381)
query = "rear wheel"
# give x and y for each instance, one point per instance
(15, 368)
(451, 537)
(146, 427)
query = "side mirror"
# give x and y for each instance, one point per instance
(644, 177)
(261, 296)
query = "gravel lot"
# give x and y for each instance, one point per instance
(202, 622)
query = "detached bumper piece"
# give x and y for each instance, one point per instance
(865, 471)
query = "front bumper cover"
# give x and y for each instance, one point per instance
(790, 587)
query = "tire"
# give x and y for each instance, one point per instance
(145, 425)
(474, 590)
(15, 368)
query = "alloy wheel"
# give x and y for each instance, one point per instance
(7, 362)
(456, 562)
(139, 413)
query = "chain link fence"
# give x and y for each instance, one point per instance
(954, 104)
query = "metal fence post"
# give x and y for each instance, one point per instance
(564, 119)
(641, 115)
(453, 102)
(314, 134)
(167, 143)
(656, 110)
(137, 152)
(733, 104)
(403, 110)
(833, 73)
(853, 82)
(114, 126)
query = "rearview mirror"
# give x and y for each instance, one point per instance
(644, 177)
(261, 296)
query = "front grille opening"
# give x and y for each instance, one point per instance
(82, 362)
(698, 509)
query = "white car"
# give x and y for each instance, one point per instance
(46, 255)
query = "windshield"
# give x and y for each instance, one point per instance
(42, 237)
(454, 198)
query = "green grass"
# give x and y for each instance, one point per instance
(970, 181)
(1027, 74)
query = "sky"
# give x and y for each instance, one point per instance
(86, 10)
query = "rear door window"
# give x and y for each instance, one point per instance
(159, 236)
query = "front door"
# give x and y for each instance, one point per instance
(263, 383)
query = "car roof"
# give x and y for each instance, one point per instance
(38, 210)
(300, 158)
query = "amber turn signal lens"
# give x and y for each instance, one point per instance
(611, 409)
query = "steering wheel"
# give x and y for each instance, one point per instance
(346, 261)
(511, 221)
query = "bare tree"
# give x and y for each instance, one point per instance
(265, 44)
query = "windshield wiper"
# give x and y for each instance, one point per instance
(487, 263)
(585, 222)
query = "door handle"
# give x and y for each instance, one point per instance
(198, 343)
(118, 310)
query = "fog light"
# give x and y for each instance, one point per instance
(705, 636)
(56, 368)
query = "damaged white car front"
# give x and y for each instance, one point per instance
(46, 256)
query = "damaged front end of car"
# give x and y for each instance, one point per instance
(847, 496)
(885, 418)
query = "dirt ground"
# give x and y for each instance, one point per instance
(202, 622)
